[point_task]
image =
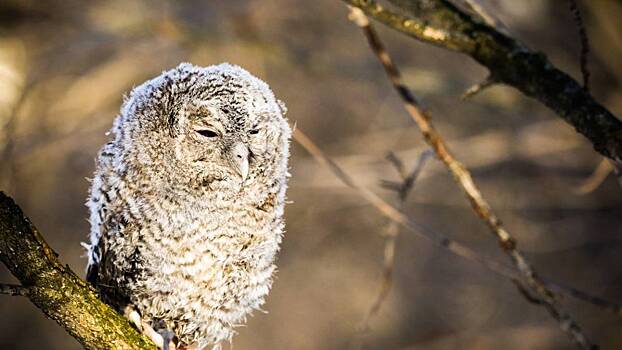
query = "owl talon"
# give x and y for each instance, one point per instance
(134, 318)
(167, 339)
(158, 338)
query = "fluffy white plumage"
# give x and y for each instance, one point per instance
(187, 201)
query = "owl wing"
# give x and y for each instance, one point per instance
(92, 269)
(107, 223)
(99, 205)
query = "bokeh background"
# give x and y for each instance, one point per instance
(65, 65)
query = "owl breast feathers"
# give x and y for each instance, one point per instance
(186, 204)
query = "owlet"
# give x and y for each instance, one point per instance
(186, 204)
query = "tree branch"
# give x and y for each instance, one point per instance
(510, 62)
(597, 177)
(58, 291)
(585, 44)
(463, 178)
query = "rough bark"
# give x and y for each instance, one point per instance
(57, 290)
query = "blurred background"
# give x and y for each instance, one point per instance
(65, 66)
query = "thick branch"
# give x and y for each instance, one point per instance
(56, 290)
(510, 62)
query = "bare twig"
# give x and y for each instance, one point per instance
(597, 177)
(443, 24)
(479, 87)
(565, 322)
(585, 44)
(398, 164)
(599, 302)
(464, 179)
(489, 18)
(392, 231)
(13, 289)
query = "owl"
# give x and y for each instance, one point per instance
(186, 204)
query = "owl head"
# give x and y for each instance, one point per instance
(215, 127)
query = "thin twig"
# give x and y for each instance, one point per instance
(13, 289)
(564, 320)
(436, 237)
(465, 181)
(585, 44)
(603, 304)
(479, 87)
(393, 230)
(489, 18)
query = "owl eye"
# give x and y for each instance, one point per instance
(254, 131)
(207, 133)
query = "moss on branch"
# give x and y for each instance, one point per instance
(57, 290)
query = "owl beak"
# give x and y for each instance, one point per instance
(239, 159)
